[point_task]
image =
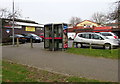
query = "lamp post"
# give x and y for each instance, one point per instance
(13, 41)
(119, 48)
(118, 14)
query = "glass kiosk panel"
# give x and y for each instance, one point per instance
(47, 36)
(55, 36)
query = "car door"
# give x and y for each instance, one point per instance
(86, 38)
(97, 39)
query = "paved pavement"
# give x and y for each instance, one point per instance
(61, 62)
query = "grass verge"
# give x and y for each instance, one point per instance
(113, 54)
(13, 72)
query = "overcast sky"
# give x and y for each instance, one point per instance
(49, 11)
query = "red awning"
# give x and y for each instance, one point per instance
(95, 28)
(102, 29)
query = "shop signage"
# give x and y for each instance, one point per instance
(30, 29)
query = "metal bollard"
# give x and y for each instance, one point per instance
(31, 42)
(17, 42)
(111, 49)
(90, 46)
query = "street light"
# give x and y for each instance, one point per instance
(118, 13)
(13, 41)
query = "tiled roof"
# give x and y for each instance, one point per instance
(86, 20)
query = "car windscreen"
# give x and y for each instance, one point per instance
(19, 35)
(116, 34)
(41, 34)
(33, 35)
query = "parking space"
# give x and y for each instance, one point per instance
(70, 44)
(41, 45)
(35, 45)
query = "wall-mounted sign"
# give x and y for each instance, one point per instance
(30, 29)
(19, 27)
(65, 27)
(8, 31)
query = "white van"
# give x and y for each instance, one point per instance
(71, 35)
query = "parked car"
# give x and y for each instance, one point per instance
(110, 35)
(95, 39)
(42, 36)
(35, 38)
(71, 35)
(21, 38)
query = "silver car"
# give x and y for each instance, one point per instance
(90, 38)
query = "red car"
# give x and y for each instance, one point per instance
(42, 36)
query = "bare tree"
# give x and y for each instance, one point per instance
(5, 13)
(17, 14)
(74, 21)
(99, 18)
(115, 14)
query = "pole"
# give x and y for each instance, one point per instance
(13, 41)
(119, 48)
(62, 36)
(118, 14)
(53, 42)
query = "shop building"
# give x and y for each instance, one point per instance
(20, 27)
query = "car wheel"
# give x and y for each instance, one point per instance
(107, 46)
(39, 41)
(79, 45)
(23, 42)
